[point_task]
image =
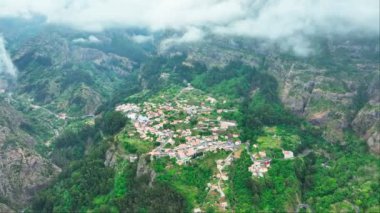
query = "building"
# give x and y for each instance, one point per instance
(132, 116)
(262, 154)
(62, 116)
(288, 154)
(142, 119)
(191, 152)
(181, 155)
(227, 124)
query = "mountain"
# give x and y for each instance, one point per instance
(23, 170)
(100, 122)
(68, 76)
(335, 89)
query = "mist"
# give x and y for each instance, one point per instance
(290, 22)
(6, 64)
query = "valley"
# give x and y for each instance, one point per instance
(218, 126)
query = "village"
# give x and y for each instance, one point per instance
(183, 130)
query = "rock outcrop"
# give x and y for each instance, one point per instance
(324, 88)
(23, 172)
(367, 124)
(5, 209)
(144, 169)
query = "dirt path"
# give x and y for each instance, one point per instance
(218, 187)
(220, 170)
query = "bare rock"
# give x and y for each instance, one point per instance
(5, 209)
(22, 173)
(143, 168)
(373, 142)
(367, 125)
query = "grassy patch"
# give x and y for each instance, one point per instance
(135, 145)
(278, 137)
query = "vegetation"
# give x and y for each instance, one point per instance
(136, 145)
(327, 177)
(331, 186)
(239, 193)
(189, 180)
(111, 122)
(74, 190)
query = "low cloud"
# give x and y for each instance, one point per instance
(6, 64)
(90, 39)
(142, 38)
(288, 21)
(190, 35)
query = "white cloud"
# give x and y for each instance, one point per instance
(269, 19)
(191, 34)
(6, 64)
(90, 39)
(141, 38)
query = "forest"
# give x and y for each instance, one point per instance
(319, 179)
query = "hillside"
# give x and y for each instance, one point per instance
(102, 123)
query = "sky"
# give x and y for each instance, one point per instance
(289, 21)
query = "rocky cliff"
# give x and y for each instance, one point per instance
(337, 97)
(22, 171)
(336, 88)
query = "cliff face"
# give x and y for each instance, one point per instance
(144, 169)
(341, 96)
(339, 91)
(367, 120)
(22, 171)
(335, 88)
(55, 74)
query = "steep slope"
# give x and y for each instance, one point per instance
(336, 90)
(367, 120)
(57, 77)
(329, 87)
(68, 76)
(23, 171)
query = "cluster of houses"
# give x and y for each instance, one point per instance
(185, 130)
(171, 124)
(260, 164)
(185, 152)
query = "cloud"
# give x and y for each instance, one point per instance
(191, 35)
(275, 20)
(6, 64)
(142, 38)
(90, 39)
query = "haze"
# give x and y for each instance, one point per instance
(290, 21)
